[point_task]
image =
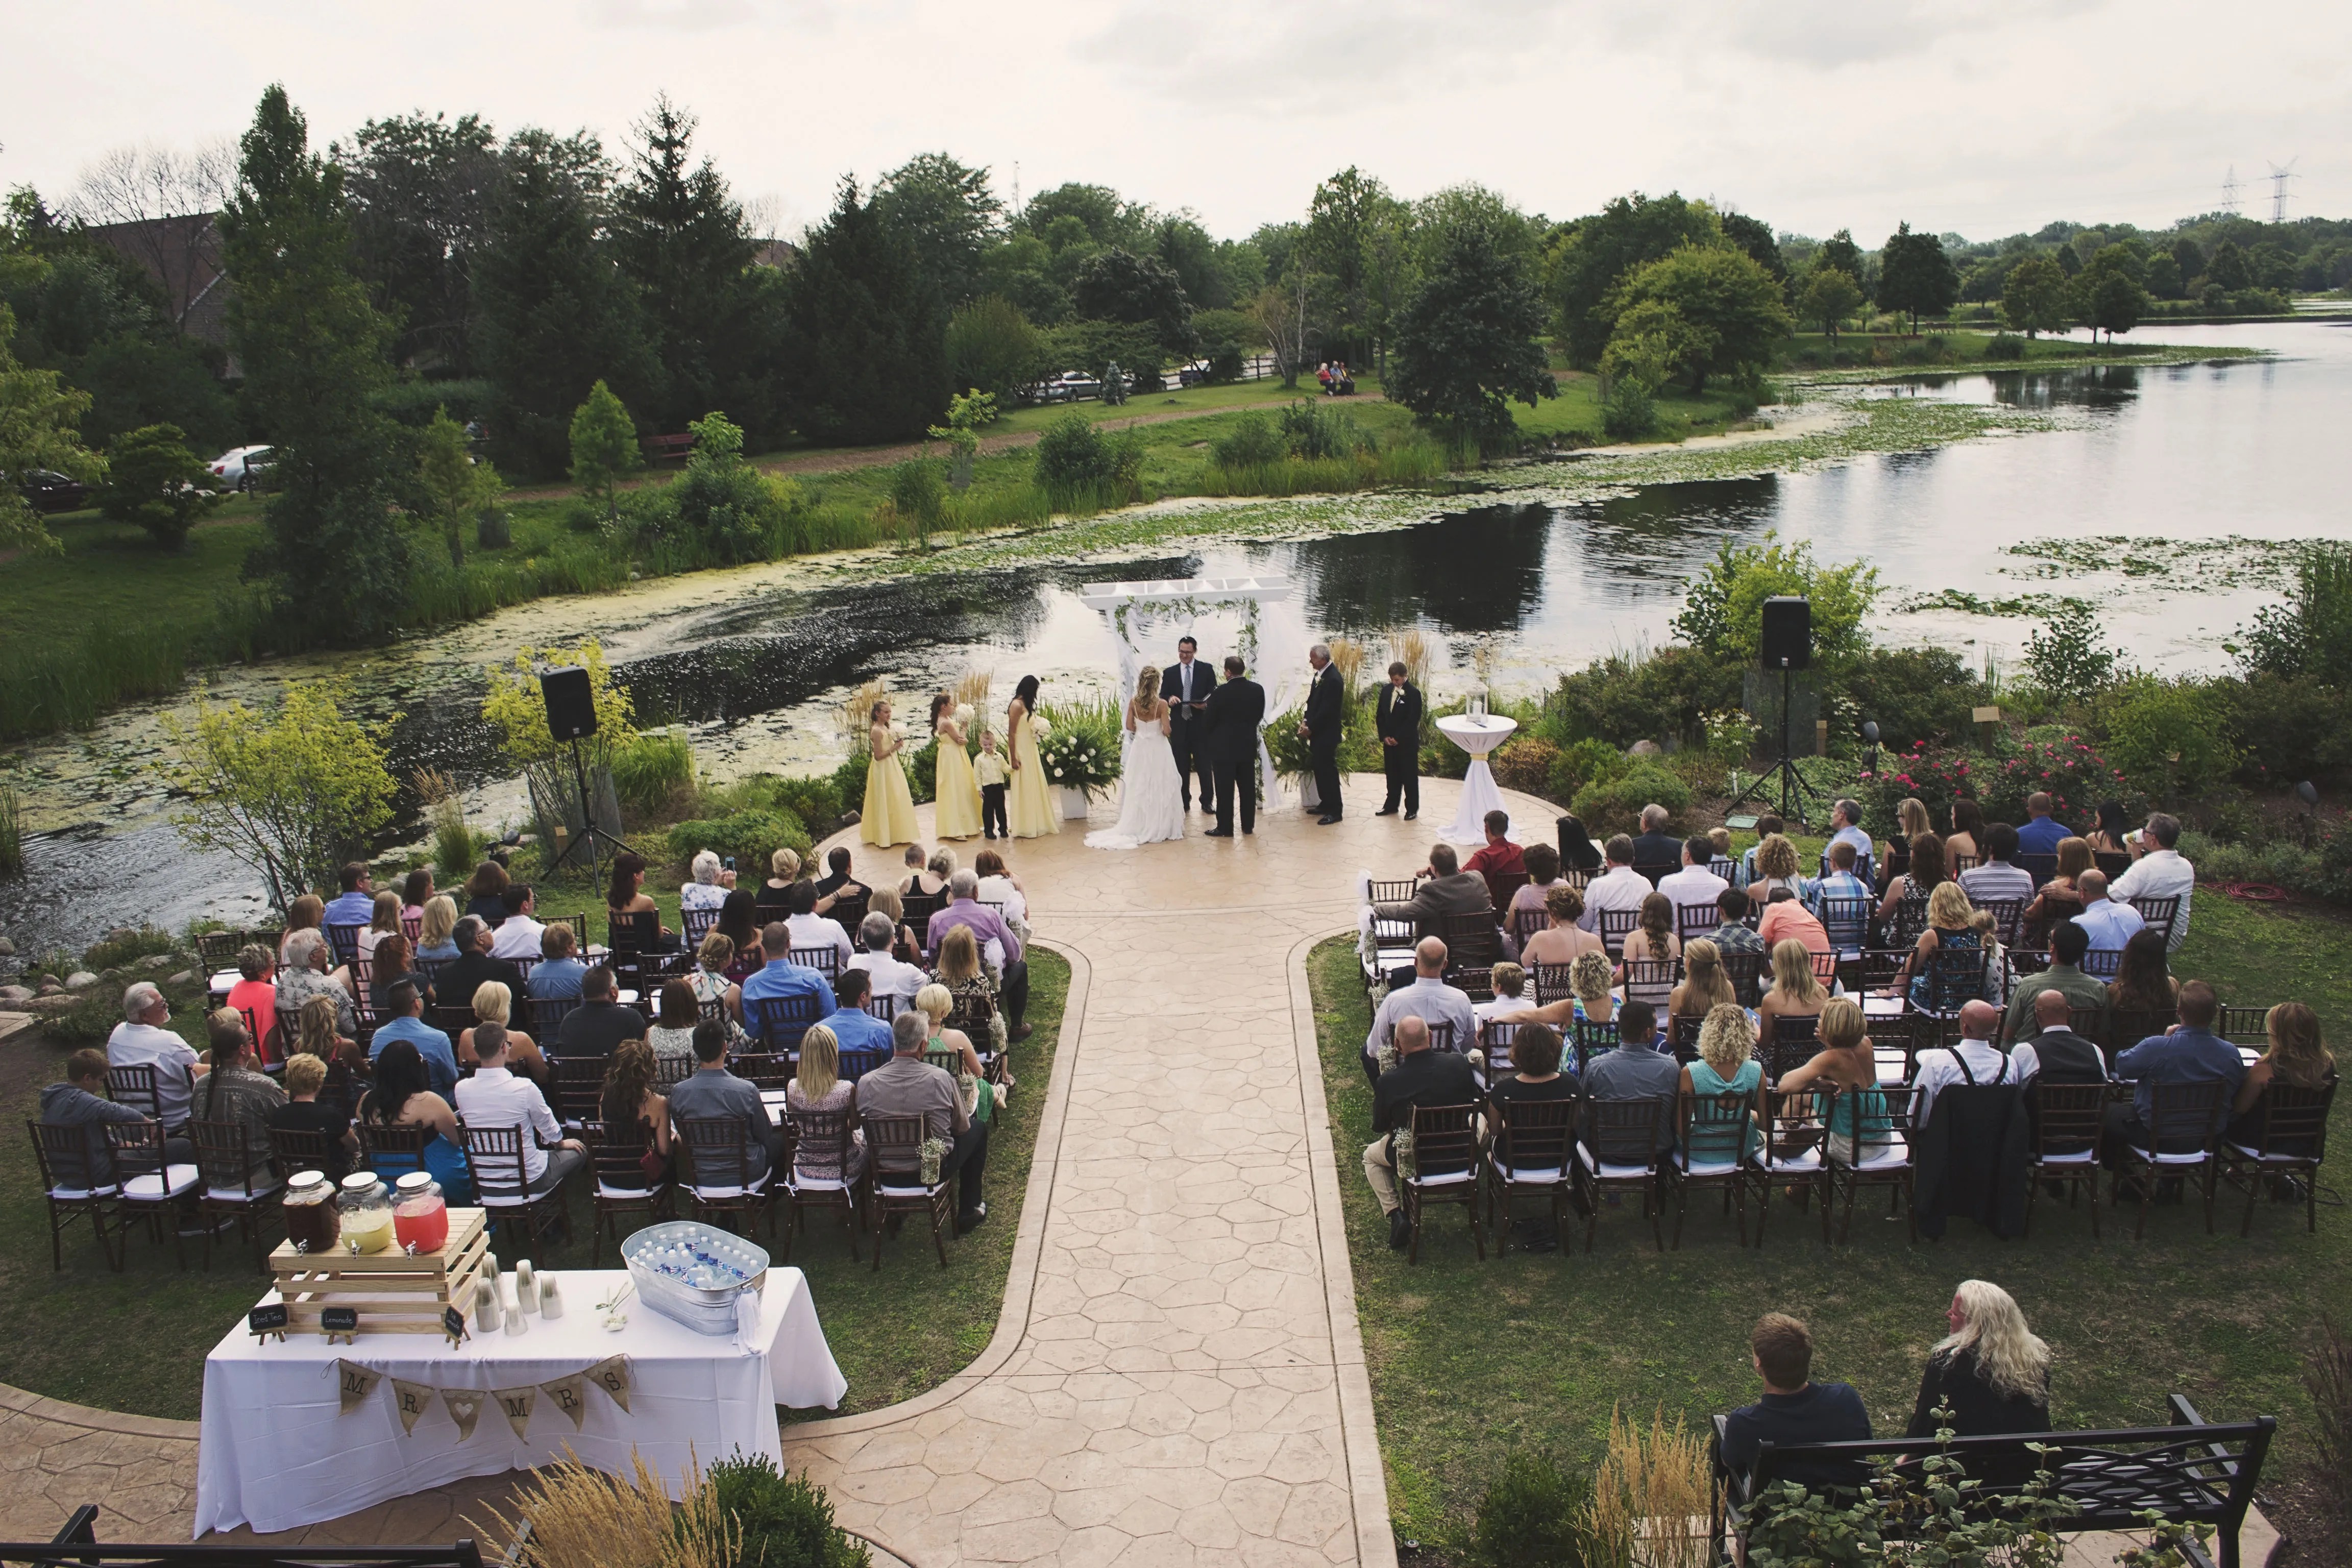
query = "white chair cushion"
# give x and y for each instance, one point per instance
(629, 1195)
(1446, 1179)
(1534, 1176)
(933, 1191)
(238, 1194)
(714, 1195)
(84, 1194)
(2272, 1159)
(151, 1188)
(1884, 1157)
(2080, 1157)
(1805, 1159)
(1690, 1167)
(800, 1184)
(2187, 1157)
(1610, 1171)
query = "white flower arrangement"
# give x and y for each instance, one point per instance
(1041, 727)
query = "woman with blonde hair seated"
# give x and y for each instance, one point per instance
(709, 978)
(1775, 867)
(494, 1003)
(1703, 985)
(1846, 1064)
(1562, 942)
(965, 977)
(1725, 1064)
(817, 1085)
(435, 933)
(1796, 992)
(935, 1003)
(2296, 1057)
(1990, 1374)
(1589, 998)
(1951, 928)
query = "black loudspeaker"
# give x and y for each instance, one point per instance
(1787, 633)
(572, 708)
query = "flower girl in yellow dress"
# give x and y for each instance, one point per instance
(890, 816)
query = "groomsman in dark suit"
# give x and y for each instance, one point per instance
(1185, 686)
(1230, 735)
(1325, 703)
(1397, 720)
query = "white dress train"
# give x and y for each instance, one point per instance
(1150, 796)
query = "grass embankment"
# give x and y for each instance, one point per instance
(136, 1340)
(1470, 1360)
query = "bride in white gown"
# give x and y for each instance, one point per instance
(1150, 794)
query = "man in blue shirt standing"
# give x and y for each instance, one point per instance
(406, 1003)
(356, 905)
(853, 1026)
(780, 976)
(1794, 1408)
(2042, 831)
(2190, 1053)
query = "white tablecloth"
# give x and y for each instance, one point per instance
(1479, 795)
(275, 1452)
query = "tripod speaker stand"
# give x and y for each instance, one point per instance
(1788, 647)
(572, 716)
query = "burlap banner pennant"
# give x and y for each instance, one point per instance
(518, 1405)
(571, 1396)
(465, 1408)
(612, 1375)
(353, 1383)
(412, 1400)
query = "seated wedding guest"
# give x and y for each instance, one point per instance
(1795, 990)
(1841, 883)
(80, 1101)
(784, 869)
(1450, 890)
(1509, 984)
(963, 976)
(2064, 976)
(932, 878)
(1846, 1063)
(903, 942)
(1786, 919)
(356, 905)
(403, 1096)
(302, 1111)
(889, 976)
(1718, 843)
(2159, 871)
(303, 975)
(1734, 934)
(498, 1097)
(1998, 877)
(316, 1033)
(1537, 1070)
(1775, 868)
(906, 1085)
(709, 976)
(1542, 863)
(1427, 997)
(1421, 1077)
(1766, 825)
(1636, 1070)
(741, 922)
(2055, 1053)
(1695, 883)
(914, 860)
(836, 878)
(854, 1028)
(1973, 1058)
(934, 1003)
(628, 906)
(494, 1003)
(486, 893)
(2040, 833)
(998, 886)
(710, 886)
(1990, 1374)
(2108, 923)
(517, 935)
(2112, 832)
(1934, 987)
(817, 1085)
(1653, 939)
(233, 1092)
(599, 1022)
(1910, 821)
(384, 921)
(305, 913)
(672, 1036)
(711, 1093)
(998, 944)
(255, 994)
(1845, 827)
(1656, 851)
(634, 1111)
(474, 967)
(1498, 857)
(1565, 939)
(416, 892)
(1794, 1409)
(1923, 871)
(556, 976)
(1620, 888)
(1703, 985)
(813, 931)
(1966, 841)
(390, 967)
(1577, 850)
(404, 1023)
(780, 976)
(1725, 1063)
(2188, 1053)
(435, 940)
(2296, 1057)
(1589, 999)
(2059, 899)
(2144, 983)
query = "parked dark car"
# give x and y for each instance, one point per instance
(46, 491)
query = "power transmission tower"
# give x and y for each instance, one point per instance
(2279, 177)
(1016, 190)
(2229, 189)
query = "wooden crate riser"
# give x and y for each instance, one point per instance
(395, 1292)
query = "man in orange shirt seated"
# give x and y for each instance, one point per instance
(1787, 917)
(1499, 857)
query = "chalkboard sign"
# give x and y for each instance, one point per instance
(266, 1319)
(452, 1324)
(340, 1319)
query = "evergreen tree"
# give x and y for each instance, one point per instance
(865, 335)
(604, 447)
(152, 480)
(1917, 276)
(421, 192)
(1465, 342)
(555, 312)
(313, 349)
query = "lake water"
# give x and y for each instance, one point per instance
(756, 662)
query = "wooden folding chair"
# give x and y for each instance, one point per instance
(2159, 913)
(502, 1184)
(64, 1155)
(717, 1170)
(2176, 1113)
(1791, 1152)
(1445, 1169)
(1533, 1153)
(235, 1185)
(1651, 980)
(1710, 1150)
(1471, 941)
(894, 1147)
(821, 1141)
(150, 1186)
(2065, 1119)
(826, 961)
(1879, 1151)
(2289, 1143)
(777, 1023)
(579, 1090)
(616, 1167)
(1615, 926)
(1619, 1153)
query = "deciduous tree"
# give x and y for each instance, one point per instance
(990, 346)
(2037, 298)
(1829, 297)
(37, 417)
(152, 480)
(949, 213)
(1115, 286)
(604, 447)
(1732, 311)
(1915, 275)
(421, 190)
(1465, 343)
(453, 487)
(1596, 254)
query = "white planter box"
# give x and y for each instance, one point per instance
(1074, 803)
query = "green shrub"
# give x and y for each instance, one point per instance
(654, 771)
(750, 837)
(1623, 699)
(2005, 346)
(2066, 656)
(817, 801)
(1525, 763)
(1629, 412)
(1614, 805)
(918, 492)
(89, 1020)
(848, 783)
(2171, 737)
(1528, 1517)
(128, 946)
(2068, 768)
(2275, 722)
(1911, 693)
(1316, 431)
(786, 1519)
(1586, 762)
(1248, 442)
(1079, 465)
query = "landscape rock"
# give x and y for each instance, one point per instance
(7, 948)
(55, 1002)
(13, 995)
(49, 985)
(1645, 749)
(156, 961)
(185, 977)
(80, 980)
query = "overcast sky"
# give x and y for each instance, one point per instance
(1811, 114)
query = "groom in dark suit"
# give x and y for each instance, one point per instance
(1321, 727)
(1236, 709)
(1397, 716)
(1185, 686)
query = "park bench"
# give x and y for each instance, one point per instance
(669, 448)
(80, 1535)
(2191, 1472)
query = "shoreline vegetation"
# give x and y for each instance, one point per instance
(109, 622)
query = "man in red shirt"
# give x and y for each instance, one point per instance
(1500, 858)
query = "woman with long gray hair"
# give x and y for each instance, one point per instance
(1989, 1373)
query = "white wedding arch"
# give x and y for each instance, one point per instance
(1135, 612)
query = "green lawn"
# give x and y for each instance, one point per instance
(113, 574)
(136, 1341)
(1470, 1360)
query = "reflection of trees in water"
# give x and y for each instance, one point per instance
(2098, 387)
(1659, 533)
(1477, 571)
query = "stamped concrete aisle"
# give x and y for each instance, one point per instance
(1178, 1376)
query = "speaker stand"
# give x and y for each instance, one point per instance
(590, 833)
(1797, 798)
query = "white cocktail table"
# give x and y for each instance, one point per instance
(1479, 795)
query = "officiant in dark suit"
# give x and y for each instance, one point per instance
(1185, 687)
(1398, 721)
(1229, 734)
(1325, 703)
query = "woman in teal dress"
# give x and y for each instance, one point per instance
(403, 1097)
(1725, 1064)
(1847, 1066)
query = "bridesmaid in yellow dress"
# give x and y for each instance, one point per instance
(889, 804)
(1029, 804)
(954, 790)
